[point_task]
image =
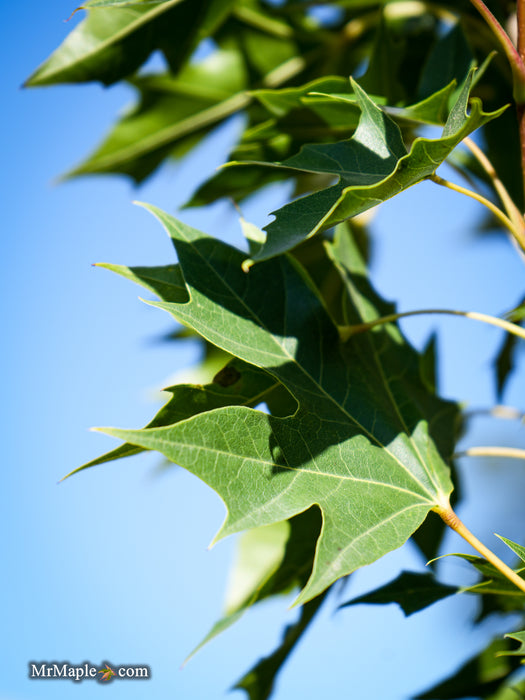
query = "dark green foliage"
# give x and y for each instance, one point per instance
(411, 591)
(480, 677)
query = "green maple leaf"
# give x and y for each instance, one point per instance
(371, 167)
(363, 442)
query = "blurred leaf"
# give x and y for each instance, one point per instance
(497, 604)
(497, 593)
(262, 49)
(451, 59)
(518, 549)
(270, 560)
(506, 355)
(173, 113)
(259, 554)
(176, 111)
(505, 362)
(411, 591)
(518, 637)
(112, 43)
(277, 138)
(500, 587)
(428, 363)
(517, 314)
(429, 535)
(294, 564)
(213, 361)
(513, 690)
(478, 678)
(383, 73)
(259, 681)
(502, 147)
(483, 566)
(238, 384)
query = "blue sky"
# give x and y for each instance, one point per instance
(113, 565)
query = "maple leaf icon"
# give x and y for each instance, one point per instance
(107, 673)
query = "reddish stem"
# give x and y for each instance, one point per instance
(515, 59)
(520, 10)
(520, 106)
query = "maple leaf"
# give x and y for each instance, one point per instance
(360, 445)
(107, 673)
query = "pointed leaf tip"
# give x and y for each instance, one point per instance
(81, 7)
(518, 549)
(517, 637)
(412, 591)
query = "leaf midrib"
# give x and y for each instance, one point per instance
(340, 477)
(158, 280)
(161, 138)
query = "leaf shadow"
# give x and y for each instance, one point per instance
(367, 392)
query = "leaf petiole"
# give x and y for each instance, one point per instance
(489, 451)
(518, 232)
(498, 411)
(512, 210)
(451, 519)
(346, 332)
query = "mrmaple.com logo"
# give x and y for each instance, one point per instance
(86, 671)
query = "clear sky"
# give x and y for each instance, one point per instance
(112, 565)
